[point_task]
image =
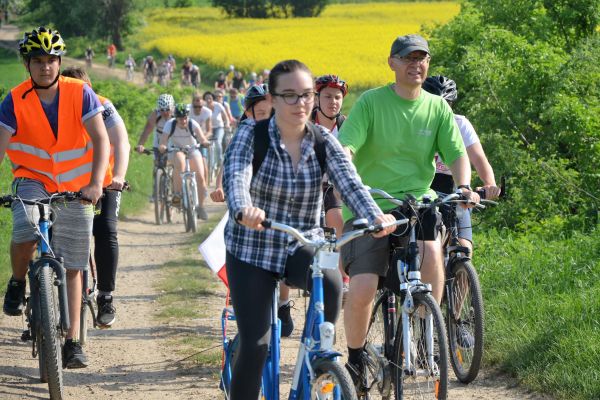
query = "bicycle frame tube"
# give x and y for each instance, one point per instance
(271, 372)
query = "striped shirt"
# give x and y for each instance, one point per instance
(287, 196)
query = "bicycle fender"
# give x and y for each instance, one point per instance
(331, 355)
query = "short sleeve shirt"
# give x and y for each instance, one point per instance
(201, 118)
(469, 137)
(394, 141)
(111, 116)
(217, 115)
(91, 107)
(181, 136)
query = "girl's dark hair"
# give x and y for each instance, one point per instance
(285, 67)
(77, 73)
(206, 94)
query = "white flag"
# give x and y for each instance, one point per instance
(213, 249)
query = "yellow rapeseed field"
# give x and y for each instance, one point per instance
(351, 40)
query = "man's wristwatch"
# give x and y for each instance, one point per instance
(468, 187)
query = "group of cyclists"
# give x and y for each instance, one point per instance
(294, 158)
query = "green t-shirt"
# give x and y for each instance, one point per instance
(394, 141)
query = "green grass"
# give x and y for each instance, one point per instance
(542, 306)
(12, 70)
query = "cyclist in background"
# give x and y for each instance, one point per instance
(239, 82)
(181, 135)
(257, 108)
(149, 69)
(186, 70)
(393, 133)
(130, 67)
(36, 144)
(236, 104)
(89, 56)
(195, 77)
(155, 123)
(286, 188)
(442, 181)
(106, 243)
(202, 115)
(220, 121)
(221, 82)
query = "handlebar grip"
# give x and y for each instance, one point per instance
(481, 193)
(266, 223)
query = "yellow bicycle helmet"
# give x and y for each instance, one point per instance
(42, 41)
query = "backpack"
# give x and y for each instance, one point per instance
(190, 127)
(261, 145)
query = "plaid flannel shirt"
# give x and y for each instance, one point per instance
(287, 196)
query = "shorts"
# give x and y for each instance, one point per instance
(192, 154)
(71, 229)
(371, 255)
(330, 200)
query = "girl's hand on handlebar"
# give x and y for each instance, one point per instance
(252, 217)
(382, 219)
(217, 195)
(162, 148)
(139, 148)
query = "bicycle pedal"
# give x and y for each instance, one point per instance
(26, 336)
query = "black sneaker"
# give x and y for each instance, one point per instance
(14, 300)
(287, 323)
(106, 311)
(357, 373)
(73, 356)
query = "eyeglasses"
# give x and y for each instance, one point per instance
(413, 60)
(293, 98)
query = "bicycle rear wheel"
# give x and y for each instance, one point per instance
(422, 379)
(331, 381)
(379, 346)
(465, 321)
(51, 348)
(158, 177)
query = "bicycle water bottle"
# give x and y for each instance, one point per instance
(327, 331)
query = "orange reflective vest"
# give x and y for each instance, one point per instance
(111, 159)
(61, 163)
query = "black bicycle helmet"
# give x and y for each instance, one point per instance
(182, 110)
(255, 94)
(441, 86)
(332, 81)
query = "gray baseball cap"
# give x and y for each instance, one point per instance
(406, 44)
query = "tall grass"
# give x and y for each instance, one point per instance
(542, 306)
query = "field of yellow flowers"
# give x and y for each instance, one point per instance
(351, 40)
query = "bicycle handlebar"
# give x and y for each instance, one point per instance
(413, 202)
(6, 201)
(346, 237)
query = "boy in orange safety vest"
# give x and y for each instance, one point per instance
(53, 149)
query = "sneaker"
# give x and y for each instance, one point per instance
(357, 373)
(14, 300)
(73, 356)
(106, 311)
(287, 323)
(201, 212)
(464, 338)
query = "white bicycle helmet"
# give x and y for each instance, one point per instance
(165, 102)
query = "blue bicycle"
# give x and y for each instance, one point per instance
(317, 375)
(46, 309)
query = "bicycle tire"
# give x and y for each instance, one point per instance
(429, 381)
(465, 362)
(232, 355)
(191, 206)
(158, 196)
(51, 336)
(379, 347)
(168, 194)
(83, 315)
(329, 376)
(34, 316)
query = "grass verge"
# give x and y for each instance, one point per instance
(187, 291)
(541, 298)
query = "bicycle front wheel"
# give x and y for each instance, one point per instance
(158, 178)
(191, 194)
(465, 321)
(380, 344)
(51, 348)
(331, 381)
(426, 377)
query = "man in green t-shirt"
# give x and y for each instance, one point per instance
(392, 134)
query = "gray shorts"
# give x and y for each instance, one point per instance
(71, 229)
(365, 254)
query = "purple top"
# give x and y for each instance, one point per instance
(91, 107)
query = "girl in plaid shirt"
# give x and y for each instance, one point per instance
(287, 189)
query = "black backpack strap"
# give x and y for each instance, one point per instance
(173, 126)
(261, 144)
(340, 120)
(320, 149)
(158, 118)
